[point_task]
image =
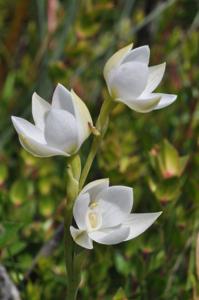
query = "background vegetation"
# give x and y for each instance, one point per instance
(44, 42)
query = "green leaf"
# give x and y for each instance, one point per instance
(8, 233)
(167, 191)
(120, 295)
(123, 266)
(19, 192)
(17, 247)
(3, 173)
(46, 206)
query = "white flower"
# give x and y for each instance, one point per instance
(59, 129)
(103, 214)
(130, 80)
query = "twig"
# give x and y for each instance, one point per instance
(8, 290)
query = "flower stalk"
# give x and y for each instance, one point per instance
(72, 175)
(101, 126)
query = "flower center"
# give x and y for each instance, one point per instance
(94, 218)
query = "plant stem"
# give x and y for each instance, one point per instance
(71, 193)
(72, 282)
(101, 125)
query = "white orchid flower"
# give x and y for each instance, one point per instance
(103, 214)
(130, 80)
(60, 128)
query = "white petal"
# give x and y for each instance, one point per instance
(80, 209)
(38, 149)
(111, 214)
(115, 60)
(110, 236)
(95, 187)
(128, 80)
(155, 76)
(121, 196)
(62, 99)
(166, 99)
(143, 105)
(82, 117)
(39, 109)
(81, 238)
(70, 101)
(138, 223)
(27, 129)
(32, 139)
(140, 54)
(61, 130)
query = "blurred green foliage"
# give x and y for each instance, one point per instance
(156, 153)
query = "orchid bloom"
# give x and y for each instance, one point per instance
(60, 128)
(131, 81)
(103, 214)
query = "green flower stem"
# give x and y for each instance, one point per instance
(101, 125)
(72, 276)
(72, 173)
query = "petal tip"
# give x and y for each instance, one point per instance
(59, 84)
(15, 119)
(163, 65)
(156, 215)
(34, 94)
(35, 97)
(62, 87)
(146, 46)
(81, 238)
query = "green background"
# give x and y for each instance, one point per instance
(156, 153)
